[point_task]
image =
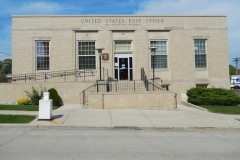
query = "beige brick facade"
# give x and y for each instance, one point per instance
(63, 33)
(135, 100)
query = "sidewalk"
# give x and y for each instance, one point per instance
(182, 118)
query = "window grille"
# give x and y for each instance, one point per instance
(42, 55)
(201, 85)
(160, 58)
(200, 53)
(86, 55)
(123, 46)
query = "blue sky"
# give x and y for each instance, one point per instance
(231, 8)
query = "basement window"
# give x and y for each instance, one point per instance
(201, 85)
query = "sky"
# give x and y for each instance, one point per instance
(231, 8)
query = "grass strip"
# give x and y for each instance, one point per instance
(16, 118)
(222, 109)
(22, 107)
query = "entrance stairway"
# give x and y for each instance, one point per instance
(141, 86)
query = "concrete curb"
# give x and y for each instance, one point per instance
(194, 106)
(119, 128)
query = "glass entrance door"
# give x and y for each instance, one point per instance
(123, 67)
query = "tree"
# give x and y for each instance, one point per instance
(232, 70)
(0, 64)
(2, 75)
(7, 66)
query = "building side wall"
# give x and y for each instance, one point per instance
(184, 75)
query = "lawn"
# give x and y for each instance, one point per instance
(223, 109)
(16, 118)
(21, 107)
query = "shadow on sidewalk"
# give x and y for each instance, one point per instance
(57, 116)
(53, 118)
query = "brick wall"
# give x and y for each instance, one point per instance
(69, 92)
(136, 100)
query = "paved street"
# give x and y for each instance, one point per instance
(110, 144)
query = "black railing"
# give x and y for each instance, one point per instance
(150, 85)
(125, 86)
(59, 76)
(153, 85)
(84, 94)
(142, 85)
(175, 99)
(118, 86)
(144, 79)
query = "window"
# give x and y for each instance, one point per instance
(201, 85)
(42, 55)
(200, 53)
(160, 58)
(123, 46)
(86, 55)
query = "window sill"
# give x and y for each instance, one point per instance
(39, 71)
(201, 69)
(160, 70)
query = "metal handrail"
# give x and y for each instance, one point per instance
(83, 93)
(118, 86)
(59, 76)
(123, 86)
(155, 84)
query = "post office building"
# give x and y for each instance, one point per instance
(119, 52)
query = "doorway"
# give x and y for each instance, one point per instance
(123, 67)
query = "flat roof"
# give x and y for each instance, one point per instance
(126, 15)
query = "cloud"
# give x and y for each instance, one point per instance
(188, 6)
(39, 7)
(231, 8)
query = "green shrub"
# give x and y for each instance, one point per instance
(54, 96)
(23, 101)
(35, 95)
(213, 96)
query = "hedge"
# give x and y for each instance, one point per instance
(213, 96)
